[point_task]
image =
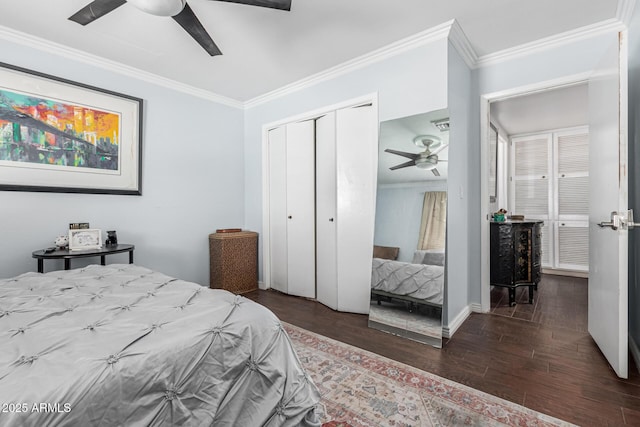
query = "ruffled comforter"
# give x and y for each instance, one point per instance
(419, 281)
(124, 345)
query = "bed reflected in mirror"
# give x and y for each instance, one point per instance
(407, 278)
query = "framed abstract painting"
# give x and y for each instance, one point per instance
(62, 136)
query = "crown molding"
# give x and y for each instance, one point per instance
(425, 37)
(625, 11)
(551, 42)
(461, 43)
(109, 65)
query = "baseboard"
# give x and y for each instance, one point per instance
(570, 273)
(261, 285)
(635, 351)
(476, 308)
(451, 328)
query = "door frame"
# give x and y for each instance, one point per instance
(371, 98)
(485, 215)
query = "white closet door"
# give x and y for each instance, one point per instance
(300, 170)
(532, 160)
(278, 209)
(572, 204)
(327, 275)
(532, 194)
(356, 163)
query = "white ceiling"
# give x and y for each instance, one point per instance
(548, 110)
(267, 49)
(398, 134)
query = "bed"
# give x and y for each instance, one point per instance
(125, 345)
(420, 281)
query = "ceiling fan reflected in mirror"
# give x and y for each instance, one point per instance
(179, 10)
(426, 160)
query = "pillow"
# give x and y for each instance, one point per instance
(433, 258)
(429, 256)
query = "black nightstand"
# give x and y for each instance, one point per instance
(68, 255)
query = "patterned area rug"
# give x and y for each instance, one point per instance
(361, 389)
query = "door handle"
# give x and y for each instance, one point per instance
(614, 223)
(330, 219)
(628, 222)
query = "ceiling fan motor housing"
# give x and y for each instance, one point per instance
(159, 7)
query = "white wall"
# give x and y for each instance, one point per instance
(399, 213)
(407, 84)
(192, 183)
(634, 177)
(550, 65)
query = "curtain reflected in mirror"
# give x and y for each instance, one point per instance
(407, 278)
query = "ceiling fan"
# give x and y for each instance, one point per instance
(428, 159)
(179, 10)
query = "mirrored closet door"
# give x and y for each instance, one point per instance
(408, 268)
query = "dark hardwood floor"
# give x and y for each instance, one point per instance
(545, 362)
(561, 302)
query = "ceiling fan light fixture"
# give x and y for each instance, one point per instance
(159, 7)
(426, 163)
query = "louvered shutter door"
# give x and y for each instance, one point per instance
(573, 245)
(547, 240)
(573, 175)
(572, 181)
(531, 171)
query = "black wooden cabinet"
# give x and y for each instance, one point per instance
(515, 255)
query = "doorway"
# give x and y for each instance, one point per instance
(608, 183)
(539, 171)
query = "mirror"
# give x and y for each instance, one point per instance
(407, 278)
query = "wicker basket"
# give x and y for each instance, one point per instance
(233, 258)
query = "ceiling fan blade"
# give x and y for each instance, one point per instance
(272, 4)
(435, 172)
(403, 154)
(189, 21)
(404, 165)
(95, 10)
(439, 149)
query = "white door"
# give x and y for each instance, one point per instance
(356, 167)
(292, 209)
(301, 243)
(608, 310)
(278, 209)
(326, 199)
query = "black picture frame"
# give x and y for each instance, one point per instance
(58, 135)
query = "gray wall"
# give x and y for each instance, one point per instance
(192, 183)
(634, 177)
(399, 213)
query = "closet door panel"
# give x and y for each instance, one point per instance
(356, 163)
(278, 209)
(327, 275)
(300, 170)
(532, 168)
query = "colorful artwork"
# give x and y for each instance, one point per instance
(49, 132)
(63, 136)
